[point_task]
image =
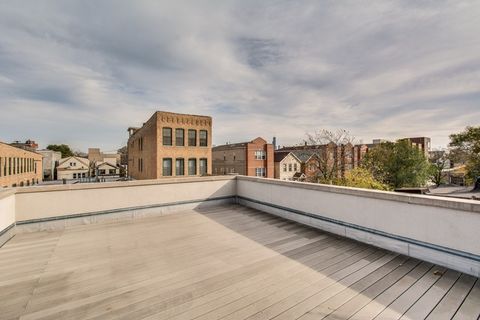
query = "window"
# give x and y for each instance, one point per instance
(192, 167)
(260, 172)
(140, 165)
(203, 138)
(167, 166)
(167, 136)
(234, 158)
(284, 167)
(140, 144)
(295, 167)
(9, 166)
(101, 171)
(192, 138)
(74, 176)
(179, 167)
(83, 175)
(289, 167)
(203, 166)
(179, 137)
(260, 155)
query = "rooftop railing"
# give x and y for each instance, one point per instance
(439, 230)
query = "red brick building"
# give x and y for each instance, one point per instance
(252, 158)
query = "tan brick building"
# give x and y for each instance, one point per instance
(170, 144)
(19, 167)
(252, 158)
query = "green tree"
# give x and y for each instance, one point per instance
(63, 148)
(361, 178)
(398, 164)
(465, 148)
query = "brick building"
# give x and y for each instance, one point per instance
(28, 145)
(19, 167)
(170, 144)
(422, 143)
(252, 158)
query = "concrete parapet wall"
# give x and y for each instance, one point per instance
(439, 230)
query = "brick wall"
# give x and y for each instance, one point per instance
(19, 167)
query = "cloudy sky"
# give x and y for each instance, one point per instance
(81, 72)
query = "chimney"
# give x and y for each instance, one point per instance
(274, 142)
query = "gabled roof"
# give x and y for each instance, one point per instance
(106, 163)
(238, 144)
(304, 155)
(82, 160)
(279, 156)
(299, 175)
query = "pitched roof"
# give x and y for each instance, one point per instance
(304, 155)
(280, 155)
(82, 160)
(106, 163)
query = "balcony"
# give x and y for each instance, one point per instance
(236, 248)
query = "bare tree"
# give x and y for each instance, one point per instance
(326, 143)
(323, 137)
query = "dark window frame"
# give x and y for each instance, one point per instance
(163, 167)
(203, 142)
(167, 142)
(195, 167)
(200, 166)
(177, 161)
(182, 144)
(191, 139)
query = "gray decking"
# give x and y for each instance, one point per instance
(221, 263)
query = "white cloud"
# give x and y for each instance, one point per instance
(81, 73)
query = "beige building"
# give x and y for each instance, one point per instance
(287, 166)
(73, 168)
(19, 167)
(103, 164)
(95, 155)
(50, 162)
(170, 144)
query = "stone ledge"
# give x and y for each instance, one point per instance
(431, 201)
(119, 184)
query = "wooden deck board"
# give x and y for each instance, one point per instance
(228, 262)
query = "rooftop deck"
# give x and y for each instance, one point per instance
(229, 262)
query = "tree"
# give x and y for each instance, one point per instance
(465, 148)
(438, 162)
(361, 178)
(63, 148)
(398, 164)
(325, 143)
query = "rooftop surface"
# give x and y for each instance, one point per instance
(228, 262)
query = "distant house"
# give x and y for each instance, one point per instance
(73, 168)
(106, 168)
(287, 164)
(330, 157)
